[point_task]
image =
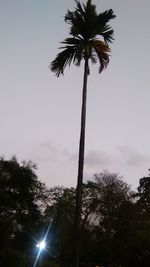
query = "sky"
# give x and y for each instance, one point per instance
(40, 113)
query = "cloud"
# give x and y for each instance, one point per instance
(132, 157)
(96, 158)
(54, 164)
(97, 161)
(58, 166)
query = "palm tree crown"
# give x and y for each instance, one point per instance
(86, 27)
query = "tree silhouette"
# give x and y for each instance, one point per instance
(86, 26)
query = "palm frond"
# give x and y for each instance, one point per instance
(102, 50)
(69, 17)
(76, 22)
(104, 17)
(100, 45)
(108, 36)
(73, 51)
(62, 59)
(86, 9)
(102, 28)
(72, 41)
(90, 9)
(81, 21)
(80, 9)
(78, 45)
(107, 33)
(104, 61)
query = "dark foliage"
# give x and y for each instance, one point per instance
(115, 222)
(20, 196)
(86, 27)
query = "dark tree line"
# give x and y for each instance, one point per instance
(115, 221)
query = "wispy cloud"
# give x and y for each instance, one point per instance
(54, 164)
(58, 166)
(94, 158)
(97, 158)
(133, 157)
(95, 161)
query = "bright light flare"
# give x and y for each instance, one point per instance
(41, 245)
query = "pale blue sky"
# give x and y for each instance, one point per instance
(40, 114)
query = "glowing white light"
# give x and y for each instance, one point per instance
(41, 245)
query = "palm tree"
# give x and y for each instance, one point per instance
(86, 26)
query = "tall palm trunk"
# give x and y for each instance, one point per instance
(80, 167)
